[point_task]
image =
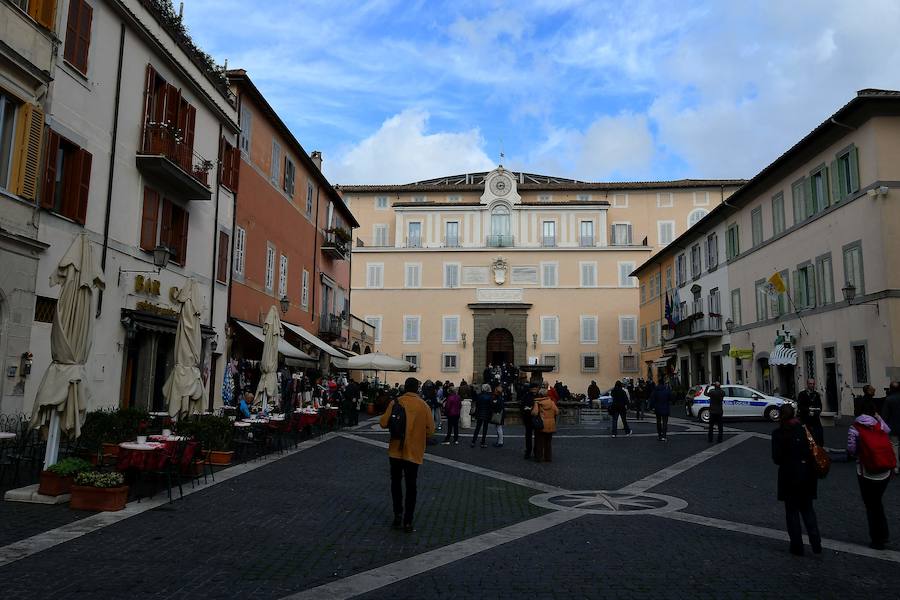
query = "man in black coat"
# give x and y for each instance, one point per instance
(619, 408)
(526, 395)
(891, 416)
(809, 407)
(716, 410)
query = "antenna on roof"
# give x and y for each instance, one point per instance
(180, 10)
(501, 153)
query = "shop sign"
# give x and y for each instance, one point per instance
(742, 353)
(156, 309)
(146, 285)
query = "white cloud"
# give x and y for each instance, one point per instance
(402, 151)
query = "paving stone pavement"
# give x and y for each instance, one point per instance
(321, 515)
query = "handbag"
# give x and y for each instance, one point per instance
(821, 460)
(497, 418)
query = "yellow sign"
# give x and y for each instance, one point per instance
(742, 353)
(146, 285)
(156, 309)
(778, 283)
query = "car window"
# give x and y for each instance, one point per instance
(739, 392)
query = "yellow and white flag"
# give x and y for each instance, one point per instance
(777, 283)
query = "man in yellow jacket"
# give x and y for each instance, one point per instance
(407, 454)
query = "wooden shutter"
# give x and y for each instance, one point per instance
(48, 190)
(27, 152)
(84, 35)
(183, 237)
(854, 169)
(149, 219)
(189, 125)
(836, 187)
(149, 83)
(222, 266)
(170, 100)
(165, 225)
(83, 187)
(72, 31)
(44, 12)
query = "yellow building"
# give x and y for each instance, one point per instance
(460, 272)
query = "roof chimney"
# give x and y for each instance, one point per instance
(316, 157)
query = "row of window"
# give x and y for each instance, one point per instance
(239, 266)
(651, 334)
(521, 275)
(663, 199)
(859, 355)
(589, 361)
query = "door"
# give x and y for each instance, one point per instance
(731, 395)
(744, 404)
(831, 388)
(500, 346)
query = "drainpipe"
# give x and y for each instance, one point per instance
(112, 165)
(212, 293)
(229, 275)
(315, 256)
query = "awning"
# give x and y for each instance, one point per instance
(347, 353)
(782, 355)
(308, 337)
(662, 362)
(284, 348)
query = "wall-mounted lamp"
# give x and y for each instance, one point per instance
(849, 292)
(285, 304)
(729, 325)
(161, 256)
(881, 191)
(214, 343)
(629, 350)
(534, 340)
(462, 336)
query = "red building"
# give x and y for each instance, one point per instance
(292, 229)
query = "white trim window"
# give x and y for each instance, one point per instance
(381, 203)
(588, 272)
(413, 359)
(549, 274)
(625, 278)
(550, 330)
(375, 275)
(589, 362)
(451, 275)
(375, 321)
(620, 234)
(583, 197)
(665, 232)
(240, 250)
(310, 192)
(282, 276)
(695, 216)
(588, 329)
(412, 275)
(620, 201)
(665, 200)
(450, 329)
(454, 198)
(379, 235)
(701, 198)
(545, 198)
(552, 360)
(270, 267)
(276, 162)
(449, 362)
(412, 329)
(304, 289)
(246, 128)
(627, 329)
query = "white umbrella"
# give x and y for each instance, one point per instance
(375, 361)
(268, 364)
(63, 395)
(184, 386)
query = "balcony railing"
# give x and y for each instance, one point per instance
(330, 326)
(335, 246)
(414, 242)
(586, 241)
(548, 241)
(503, 240)
(161, 139)
(451, 242)
(698, 326)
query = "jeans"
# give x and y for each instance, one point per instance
(452, 428)
(403, 469)
(543, 446)
(499, 430)
(529, 432)
(872, 491)
(793, 511)
(662, 425)
(436, 414)
(482, 426)
(715, 420)
(615, 421)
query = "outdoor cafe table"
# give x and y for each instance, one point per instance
(7, 435)
(151, 456)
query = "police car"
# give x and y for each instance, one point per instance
(740, 401)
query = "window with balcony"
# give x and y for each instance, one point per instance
(380, 235)
(164, 223)
(414, 235)
(67, 178)
(451, 234)
(78, 35)
(586, 231)
(548, 234)
(620, 234)
(500, 227)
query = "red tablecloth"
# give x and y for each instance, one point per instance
(153, 460)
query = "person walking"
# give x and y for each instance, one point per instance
(637, 399)
(452, 406)
(619, 408)
(891, 416)
(429, 394)
(406, 454)
(482, 408)
(863, 443)
(797, 480)
(661, 402)
(465, 390)
(716, 410)
(527, 397)
(547, 410)
(498, 408)
(809, 407)
(593, 393)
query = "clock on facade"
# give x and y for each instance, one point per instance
(500, 186)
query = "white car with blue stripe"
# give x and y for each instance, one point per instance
(740, 402)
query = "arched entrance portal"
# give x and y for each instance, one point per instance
(500, 347)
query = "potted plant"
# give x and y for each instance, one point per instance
(57, 479)
(98, 491)
(216, 435)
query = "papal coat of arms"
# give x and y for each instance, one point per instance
(499, 266)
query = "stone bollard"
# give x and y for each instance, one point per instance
(465, 419)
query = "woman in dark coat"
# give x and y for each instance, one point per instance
(660, 401)
(796, 480)
(483, 409)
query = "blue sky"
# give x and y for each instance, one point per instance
(396, 91)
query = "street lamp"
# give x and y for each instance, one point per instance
(285, 304)
(462, 336)
(534, 340)
(629, 351)
(161, 256)
(849, 292)
(729, 325)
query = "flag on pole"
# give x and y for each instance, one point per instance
(778, 283)
(669, 319)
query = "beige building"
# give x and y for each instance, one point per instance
(459, 272)
(824, 216)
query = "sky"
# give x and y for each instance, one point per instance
(396, 91)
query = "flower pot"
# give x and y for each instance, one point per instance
(370, 409)
(54, 485)
(220, 457)
(98, 499)
(110, 448)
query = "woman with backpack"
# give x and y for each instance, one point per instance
(797, 480)
(868, 442)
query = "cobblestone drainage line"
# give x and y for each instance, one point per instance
(42, 541)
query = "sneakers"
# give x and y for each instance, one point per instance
(629, 432)
(496, 445)
(456, 443)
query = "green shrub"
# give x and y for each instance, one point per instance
(100, 480)
(69, 466)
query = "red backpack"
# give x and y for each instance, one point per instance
(876, 454)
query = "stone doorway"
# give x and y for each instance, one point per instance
(500, 347)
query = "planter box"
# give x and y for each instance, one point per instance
(220, 457)
(98, 499)
(54, 485)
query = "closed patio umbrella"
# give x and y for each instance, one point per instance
(184, 389)
(268, 364)
(375, 361)
(63, 395)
